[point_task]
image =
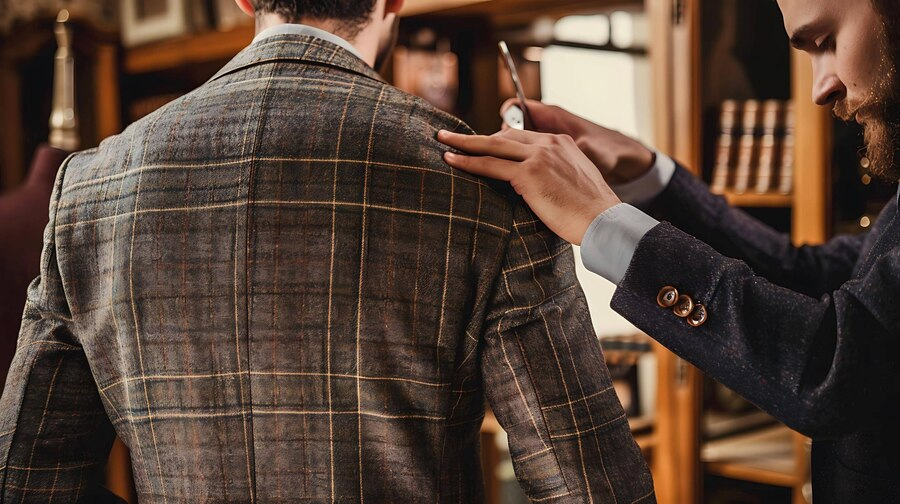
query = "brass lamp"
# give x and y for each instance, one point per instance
(63, 120)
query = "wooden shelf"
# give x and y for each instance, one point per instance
(214, 46)
(640, 424)
(188, 50)
(717, 425)
(416, 7)
(646, 442)
(510, 13)
(765, 456)
(643, 432)
(769, 200)
(760, 475)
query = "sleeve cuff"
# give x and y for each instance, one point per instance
(609, 244)
(645, 189)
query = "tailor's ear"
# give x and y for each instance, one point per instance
(247, 7)
(393, 7)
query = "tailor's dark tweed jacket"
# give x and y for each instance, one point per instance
(810, 334)
(274, 290)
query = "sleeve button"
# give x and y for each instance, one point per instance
(699, 316)
(683, 307)
(667, 297)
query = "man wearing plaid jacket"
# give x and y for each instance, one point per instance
(274, 289)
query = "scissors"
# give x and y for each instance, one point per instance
(516, 117)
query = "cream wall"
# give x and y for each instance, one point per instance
(612, 89)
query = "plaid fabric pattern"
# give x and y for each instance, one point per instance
(274, 290)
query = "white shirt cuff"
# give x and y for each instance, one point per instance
(609, 244)
(645, 189)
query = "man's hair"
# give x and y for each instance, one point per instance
(352, 15)
(890, 16)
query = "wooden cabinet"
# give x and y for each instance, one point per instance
(680, 74)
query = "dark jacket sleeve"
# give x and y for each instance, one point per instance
(813, 270)
(810, 361)
(55, 436)
(547, 383)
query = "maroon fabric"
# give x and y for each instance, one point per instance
(23, 216)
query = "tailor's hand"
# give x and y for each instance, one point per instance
(619, 158)
(560, 184)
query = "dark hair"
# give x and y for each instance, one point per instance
(352, 14)
(889, 11)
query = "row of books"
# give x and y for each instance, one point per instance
(755, 150)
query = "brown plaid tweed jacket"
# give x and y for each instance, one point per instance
(273, 289)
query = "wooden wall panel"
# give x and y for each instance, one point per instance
(812, 172)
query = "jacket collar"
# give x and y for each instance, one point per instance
(299, 48)
(302, 29)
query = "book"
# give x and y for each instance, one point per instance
(725, 151)
(786, 178)
(748, 153)
(754, 148)
(772, 121)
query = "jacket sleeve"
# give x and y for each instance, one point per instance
(688, 204)
(55, 436)
(547, 383)
(810, 361)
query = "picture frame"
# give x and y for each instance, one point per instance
(146, 21)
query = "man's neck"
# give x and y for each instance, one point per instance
(366, 42)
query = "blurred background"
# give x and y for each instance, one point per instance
(712, 83)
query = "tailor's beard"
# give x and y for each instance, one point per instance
(879, 115)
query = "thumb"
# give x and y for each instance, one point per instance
(544, 116)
